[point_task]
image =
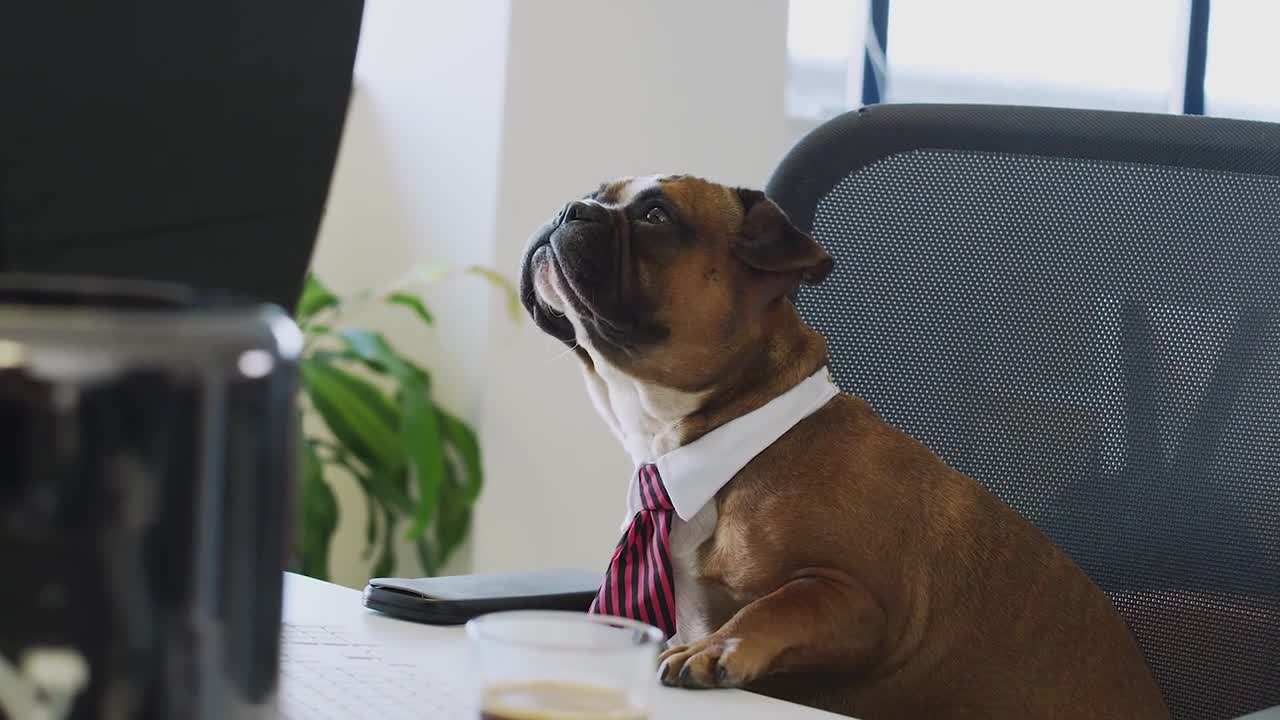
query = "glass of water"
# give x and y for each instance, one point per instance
(550, 665)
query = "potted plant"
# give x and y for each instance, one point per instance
(416, 462)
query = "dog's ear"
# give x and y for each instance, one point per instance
(769, 242)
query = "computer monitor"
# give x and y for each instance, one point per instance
(185, 142)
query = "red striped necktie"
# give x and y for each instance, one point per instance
(639, 583)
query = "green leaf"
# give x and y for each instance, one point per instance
(372, 349)
(453, 518)
(319, 515)
(421, 438)
(463, 439)
(371, 535)
(390, 488)
(359, 414)
(370, 519)
(427, 557)
(387, 560)
(315, 297)
(366, 345)
(499, 281)
(414, 303)
(420, 374)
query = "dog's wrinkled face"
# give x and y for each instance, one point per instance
(667, 278)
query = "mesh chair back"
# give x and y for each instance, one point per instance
(1081, 310)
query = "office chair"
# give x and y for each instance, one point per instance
(1081, 310)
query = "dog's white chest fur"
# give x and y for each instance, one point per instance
(686, 537)
(641, 415)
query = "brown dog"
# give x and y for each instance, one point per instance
(844, 566)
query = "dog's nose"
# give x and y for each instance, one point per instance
(584, 212)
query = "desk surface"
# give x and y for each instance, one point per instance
(313, 607)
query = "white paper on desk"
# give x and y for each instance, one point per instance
(332, 672)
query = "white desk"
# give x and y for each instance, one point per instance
(439, 654)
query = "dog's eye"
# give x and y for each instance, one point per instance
(657, 216)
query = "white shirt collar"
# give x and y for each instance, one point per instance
(694, 473)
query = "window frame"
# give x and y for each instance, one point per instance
(1195, 59)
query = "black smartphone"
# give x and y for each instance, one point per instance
(455, 599)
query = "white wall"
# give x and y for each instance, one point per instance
(472, 122)
(596, 90)
(416, 182)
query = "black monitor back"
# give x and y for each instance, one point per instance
(186, 142)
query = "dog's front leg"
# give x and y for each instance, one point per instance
(821, 620)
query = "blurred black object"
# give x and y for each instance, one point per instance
(146, 428)
(173, 141)
(147, 441)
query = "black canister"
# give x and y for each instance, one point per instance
(147, 450)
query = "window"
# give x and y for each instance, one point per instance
(1084, 53)
(823, 36)
(1139, 55)
(1242, 61)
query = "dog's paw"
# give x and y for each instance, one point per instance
(711, 662)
